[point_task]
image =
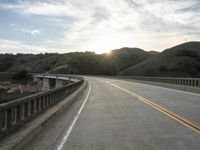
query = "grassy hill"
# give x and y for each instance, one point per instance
(75, 62)
(180, 61)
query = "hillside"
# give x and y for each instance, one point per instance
(180, 61)
(75, 62)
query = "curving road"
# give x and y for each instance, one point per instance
(122, 115)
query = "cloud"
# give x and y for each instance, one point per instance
(48, 8)
(35, 32)
(91, 25)
(12, 46)
(195, 8)
(136, 24)
(29, 31)
(16, 27)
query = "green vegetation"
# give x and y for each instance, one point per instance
(22, 76)
(4, 76)
(76, 62)
(18, 77)
(179, 61)
(9, 83)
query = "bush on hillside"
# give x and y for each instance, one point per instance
(22, 75)
(187, 53)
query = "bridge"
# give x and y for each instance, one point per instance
(104, 113)
(53, 81)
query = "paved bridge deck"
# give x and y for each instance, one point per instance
(120, 115)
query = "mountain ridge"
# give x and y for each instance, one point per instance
(75, 62)
(181, 61)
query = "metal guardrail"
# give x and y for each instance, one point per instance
(17, 112)
(191, 82)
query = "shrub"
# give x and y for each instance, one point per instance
(163, 68)
(22, 75)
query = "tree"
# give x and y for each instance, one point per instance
(22, 75)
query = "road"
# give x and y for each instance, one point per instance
(123, 115)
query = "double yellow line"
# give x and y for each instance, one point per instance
(161, 109)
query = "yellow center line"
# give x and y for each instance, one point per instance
(170, 114)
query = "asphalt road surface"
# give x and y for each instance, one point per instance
(123, 115)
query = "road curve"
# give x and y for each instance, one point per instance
(120, 115)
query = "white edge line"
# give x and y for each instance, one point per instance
(64, 140)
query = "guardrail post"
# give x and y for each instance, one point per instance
(49, 100)
(29, 109)
(39, 103)
(18, 113)
(181, 81)
(22, 111)
(186, 82)
(1, 122)
(9, 117)
(196, 83)
(4, 120)
(45, 101)
(42, 102)
(14, 115)
(25, 110)
(32, 107)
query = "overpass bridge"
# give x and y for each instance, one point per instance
(117, 113)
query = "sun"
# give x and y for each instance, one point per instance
(105, 45)
(102, 51)
(109, 53)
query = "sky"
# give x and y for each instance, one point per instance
(62, 26)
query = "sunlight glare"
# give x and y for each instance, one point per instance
(108, 53)
(106, 44)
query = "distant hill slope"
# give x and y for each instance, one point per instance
(123, 58)
(182, 61)
(75, 62)
(154, 52)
